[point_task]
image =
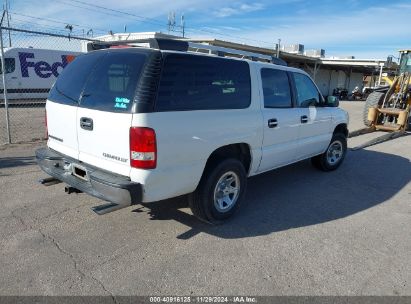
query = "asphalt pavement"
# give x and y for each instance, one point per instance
(300, 232)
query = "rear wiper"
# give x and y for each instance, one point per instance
(85, 95)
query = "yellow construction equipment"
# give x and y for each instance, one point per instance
(388, 109)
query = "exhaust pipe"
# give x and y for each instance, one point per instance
(107, 208)
(70, 190)
(49, 181)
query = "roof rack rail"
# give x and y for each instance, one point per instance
(185, 45)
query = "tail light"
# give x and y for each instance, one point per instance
(45, 124)
(143, 148)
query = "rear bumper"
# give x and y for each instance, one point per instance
(116, 189)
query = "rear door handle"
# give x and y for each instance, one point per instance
(272, 123)
(86, 123)
(304, 119)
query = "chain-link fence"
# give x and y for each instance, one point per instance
(30, 63)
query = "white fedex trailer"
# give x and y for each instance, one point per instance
(30, 73)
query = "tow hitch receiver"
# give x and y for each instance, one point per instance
(70, 190)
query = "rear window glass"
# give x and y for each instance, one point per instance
(72, 79)
(112, 84)
(190, 82)
(104, 81)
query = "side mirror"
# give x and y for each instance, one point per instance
(332, 101)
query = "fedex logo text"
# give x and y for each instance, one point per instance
(42, 68)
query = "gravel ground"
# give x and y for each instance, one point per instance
(26, 123)
(301, 232)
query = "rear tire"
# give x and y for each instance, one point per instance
(333, 157)
(373, 101)
(215, 198)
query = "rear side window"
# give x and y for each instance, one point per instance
(276, 88)
(71, 81)
(112, 84)
(190, 82)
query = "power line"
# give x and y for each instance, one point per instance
(59, 22)
(115, 12)
(121, 12)
(23, 23)
(105, 10)
(159, 22)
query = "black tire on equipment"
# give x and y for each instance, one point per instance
(201, 201)
(373, 100)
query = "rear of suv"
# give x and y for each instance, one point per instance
(134, 125)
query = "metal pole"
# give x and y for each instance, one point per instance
(278, 48)
(8, 21)
(379, 77)
(315, 70)
(3, 74)
(349, 80)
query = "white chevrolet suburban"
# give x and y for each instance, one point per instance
(139, 124)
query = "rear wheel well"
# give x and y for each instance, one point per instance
(240, 151)
(341, 128)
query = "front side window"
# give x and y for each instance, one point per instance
(191, 82)
(307, 93)
(276, 88)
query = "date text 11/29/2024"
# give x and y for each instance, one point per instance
(203, 299)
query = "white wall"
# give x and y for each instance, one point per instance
(356, 80)
(328, 80)
(322, 79)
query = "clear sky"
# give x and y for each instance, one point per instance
(365, 29)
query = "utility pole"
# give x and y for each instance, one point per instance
(183, 24)
(278, 48)
(70, 28)
(171, 21)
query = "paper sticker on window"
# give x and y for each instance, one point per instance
(121, 102)
(120, 105)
